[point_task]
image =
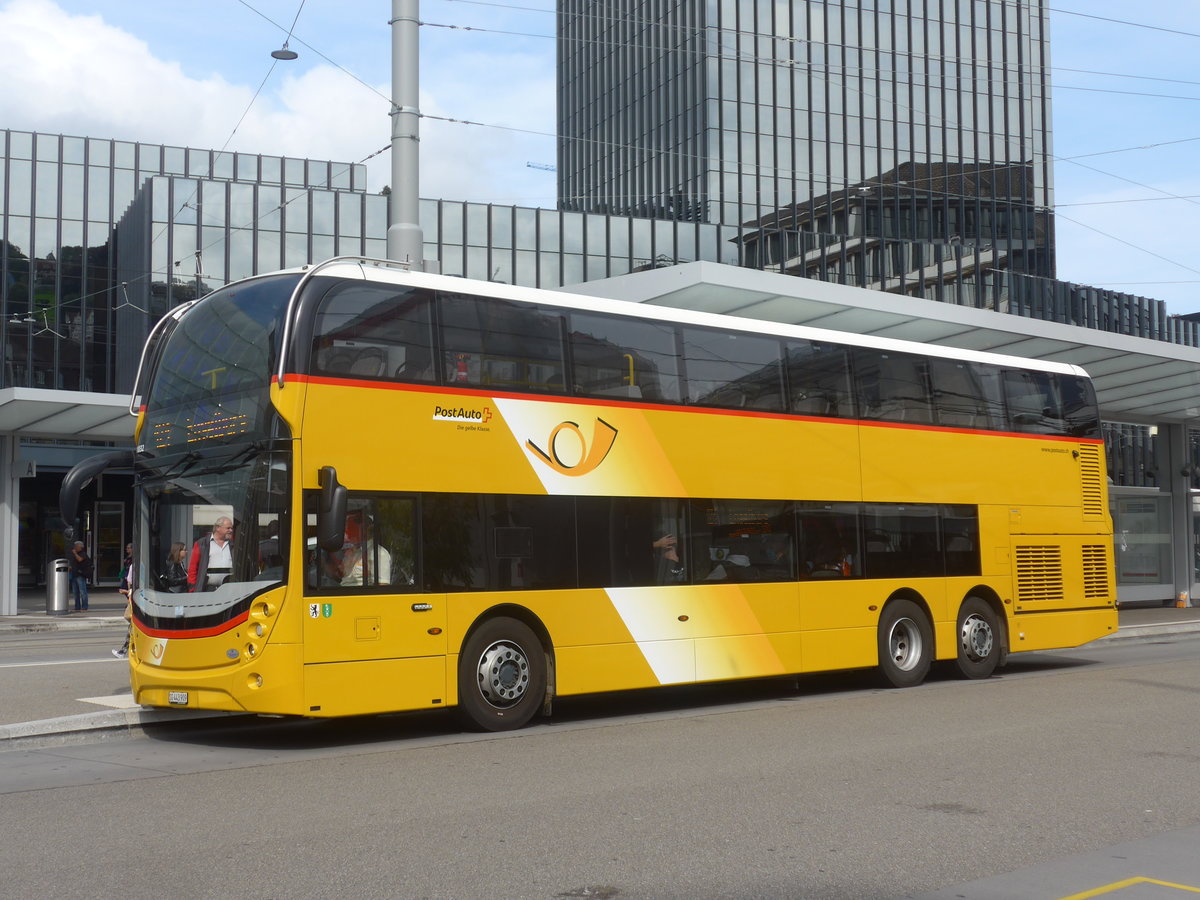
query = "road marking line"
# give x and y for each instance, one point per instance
(1129, 882)
(61, 662)
(116, 701)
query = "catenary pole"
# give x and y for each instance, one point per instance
(404, 239)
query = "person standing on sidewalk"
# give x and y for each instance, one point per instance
(81, 574)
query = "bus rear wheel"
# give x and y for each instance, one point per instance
(905, 644)
(501, 676)
(980, 640)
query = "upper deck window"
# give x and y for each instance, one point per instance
(495, 343)
(742, 371)
(630, 358)
(966, 394)
(818, 378)
(375, 331)
(892, 386)
(1047, 403)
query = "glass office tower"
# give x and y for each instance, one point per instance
(815, 126)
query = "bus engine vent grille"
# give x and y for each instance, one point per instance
(1095, 571)
(1091, 477)
(1039, 573)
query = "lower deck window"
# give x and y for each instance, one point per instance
(512, 542)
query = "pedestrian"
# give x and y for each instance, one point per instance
(81, 574)
(126, 590)
(126, 571)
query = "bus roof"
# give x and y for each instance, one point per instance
(392, 272)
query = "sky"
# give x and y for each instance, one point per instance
(198, 73)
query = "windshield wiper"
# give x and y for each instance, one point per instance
(183, 464)
(251, 449)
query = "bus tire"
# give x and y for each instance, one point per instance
(501, 675)
(980, 639)
(905, 644)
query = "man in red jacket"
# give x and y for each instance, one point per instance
(212, 557)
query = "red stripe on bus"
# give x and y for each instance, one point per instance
(195, 633)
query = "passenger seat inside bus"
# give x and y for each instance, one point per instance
(370, 361)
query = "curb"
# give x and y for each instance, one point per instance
(1149, 632)
(118, 722)
(36, 624)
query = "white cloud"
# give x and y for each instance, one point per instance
(115, 75)
(79, 75)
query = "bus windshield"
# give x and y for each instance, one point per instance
(212, 378)
(213, 535)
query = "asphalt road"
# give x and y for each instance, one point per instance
(835, 790)
(45, 675)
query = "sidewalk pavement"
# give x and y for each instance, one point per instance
(107, 607)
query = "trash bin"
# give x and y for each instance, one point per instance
(58, 587)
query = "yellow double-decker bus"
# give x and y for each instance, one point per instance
(361, 489)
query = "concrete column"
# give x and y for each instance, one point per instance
(1178, 480)
(10, 503)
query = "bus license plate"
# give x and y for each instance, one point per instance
(177, 698)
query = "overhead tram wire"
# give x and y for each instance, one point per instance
(1127, 243)
(844, 185)
(737, 57)
(308, 46)
(1011, 3)
(1071, 12)
(286, 52)
(552, 37)
(1129, 200)
(1129, 149)
(555, 136)
(910, 54)
(854, 71)
(188, 203)
(972, 63)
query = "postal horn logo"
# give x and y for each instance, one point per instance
(593, 453)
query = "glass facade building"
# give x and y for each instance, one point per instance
(918, 126)
(101, 237)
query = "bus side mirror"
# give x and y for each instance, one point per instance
(331, 514)
(81, 476)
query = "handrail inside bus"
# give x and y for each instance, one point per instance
(309, 273)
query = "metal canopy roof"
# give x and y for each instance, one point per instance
(34, 412)
(1136, 379)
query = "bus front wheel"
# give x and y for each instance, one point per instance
(501, 675)
(980, 640)
(905, 644)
